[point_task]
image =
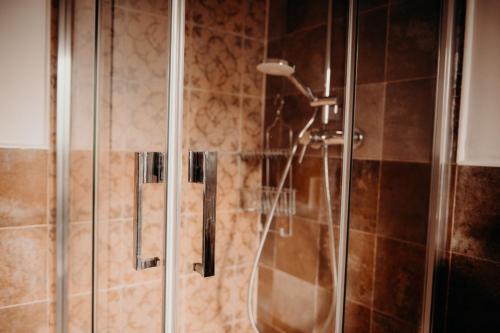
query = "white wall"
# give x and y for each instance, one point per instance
(479, 128)
(24, 73)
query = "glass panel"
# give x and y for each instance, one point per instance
(131, 117)
(79, 257)
(229, 108)
(395, 83)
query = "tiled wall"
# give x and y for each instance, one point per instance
(391, 171)
(467, 294)
(223, 107)
(27, 230)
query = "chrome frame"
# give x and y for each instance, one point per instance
(63, 144)
(441, 154)
(350, 90)
(174, 162)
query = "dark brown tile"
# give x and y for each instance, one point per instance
(305, 14)
(306, 50)
(277, 19)
(268, 250)
(360, 265)
(364, 195)
(413, 39)
(404, 201)
(408, 121)
(399, 279)
(369, 118)
(474, 296)
(357, 318)
(338, 52)
(255, 18)
(308, 182)
(476, 230)
(303, 247)
(371, 46)
(370, 4)
(386, 324)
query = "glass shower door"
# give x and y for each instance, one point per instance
(130, 165)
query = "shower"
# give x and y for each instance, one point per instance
(320, 137)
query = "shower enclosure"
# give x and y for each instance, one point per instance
(169, 186)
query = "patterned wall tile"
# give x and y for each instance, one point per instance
(251, 124)
(142, 307)
(253, 54)
(227, 15)
(25, 318)
(214, 121)
(216, 61)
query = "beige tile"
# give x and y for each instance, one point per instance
(228, 15)
(31, 318)
(293, 303)
(109, 316)
(23, 268)
(140, 43)
(80, 258)
(216, 62)
(23, 187)
(207, 302)
(80, 185)
(253, 54)
(214, 122)
(251, 124)
(142, 308)
(111, 256)
(80, 313)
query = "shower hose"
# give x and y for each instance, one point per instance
(269, 219)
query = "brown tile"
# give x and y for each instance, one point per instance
(277, 19)
(369, 118)
(293, 303)
(385, 324)
(227, 15)
(371, 46)
(399, 279)
(24, 318)
(474, 295)
(325, 311)
(413, 39)
(325, 272)
(268, 253)
(408, 121)
(339, 45)
(360, 264)
(264, 294)
(23, 187)
(217, 60)
(23, 268)
(364, 195)
(303, 246)
(158, 7)
(357, 318)
(404, 201)
(476, 229)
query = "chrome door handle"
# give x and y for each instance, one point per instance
(203, 169)
(149, 168)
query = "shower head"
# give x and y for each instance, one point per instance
(281, 67)
(276, 67)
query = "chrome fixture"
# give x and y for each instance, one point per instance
(149, 168)
(203, 170)
(319, 137)
(281, 67)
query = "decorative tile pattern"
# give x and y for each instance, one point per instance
(217, 61)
